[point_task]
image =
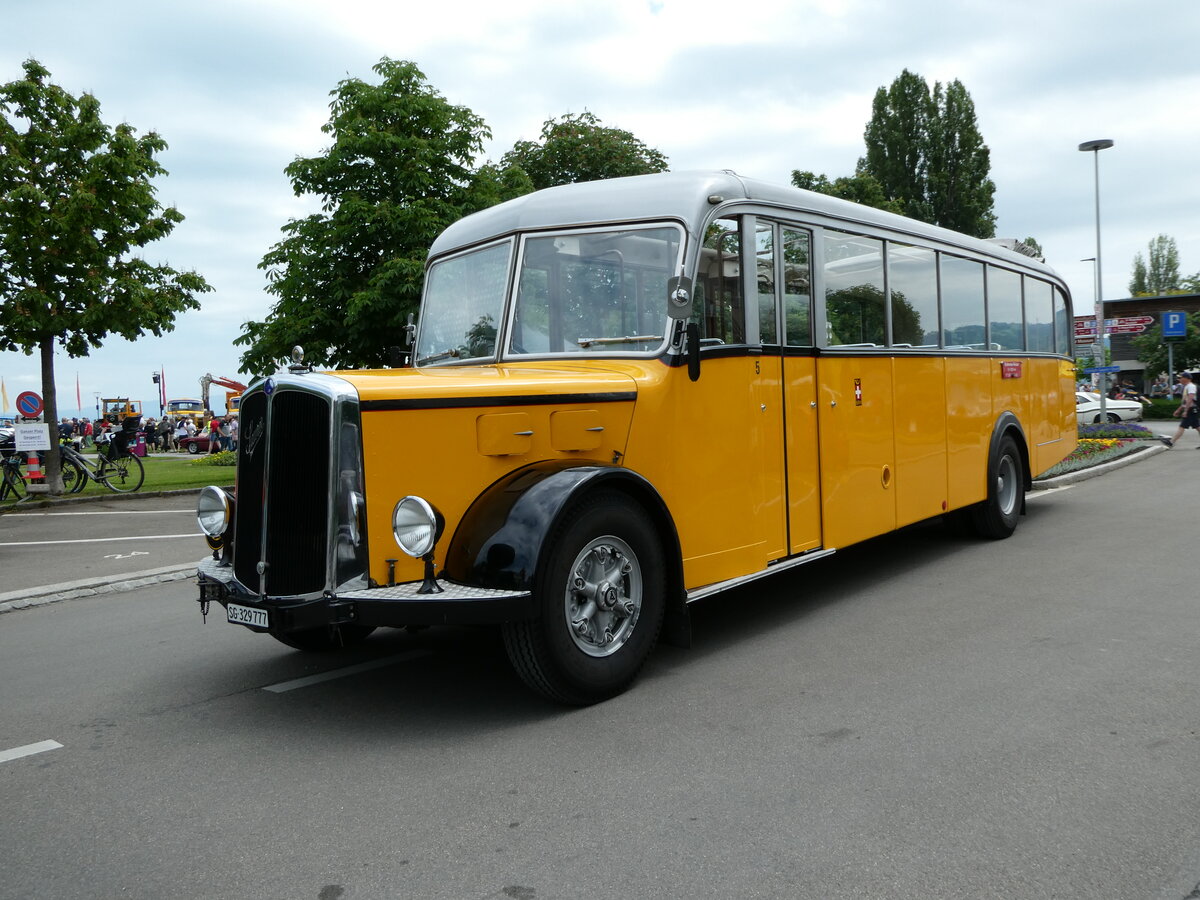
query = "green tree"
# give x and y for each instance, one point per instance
(398, 171)
(76, 200)
(1161, 276)
(858, 188)
(1035, 246)
(925, 150)
(579, 148)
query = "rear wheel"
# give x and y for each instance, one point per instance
(997, 516)
(193, 448)
(330, 637)
(600, 597)
(124, 475)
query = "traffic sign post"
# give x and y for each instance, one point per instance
(29, 404)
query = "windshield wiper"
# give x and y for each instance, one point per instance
(452, 353)
(628, 339)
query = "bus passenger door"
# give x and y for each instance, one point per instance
(855, 407)
(799, 391)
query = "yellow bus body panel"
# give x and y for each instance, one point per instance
(764, 457)
(450, 453)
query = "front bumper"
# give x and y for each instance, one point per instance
(397, 605)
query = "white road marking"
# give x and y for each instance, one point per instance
(28, 750)
(292, 685)
(131, 512)
(143, 537)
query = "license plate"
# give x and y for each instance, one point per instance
(245, 615)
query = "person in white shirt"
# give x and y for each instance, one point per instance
(1188, 412)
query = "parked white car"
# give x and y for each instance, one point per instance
(1087, 409)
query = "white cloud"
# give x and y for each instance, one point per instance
(239, 90)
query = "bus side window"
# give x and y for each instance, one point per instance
(797, 288)
(720, 305)
(854, 304)
(764, 261)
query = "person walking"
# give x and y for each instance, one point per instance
(1188, 412)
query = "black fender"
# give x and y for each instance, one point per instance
(1006, 424)
(500, 540)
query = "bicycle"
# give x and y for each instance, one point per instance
(115, 468)
(12, 481)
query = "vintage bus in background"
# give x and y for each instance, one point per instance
(629, 394)
(186, 407)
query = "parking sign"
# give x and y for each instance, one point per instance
(1174, 324)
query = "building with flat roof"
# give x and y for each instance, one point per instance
(1124, 354)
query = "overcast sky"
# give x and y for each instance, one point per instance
(239, 89)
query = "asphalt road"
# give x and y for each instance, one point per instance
(922, 716)
(96, 541)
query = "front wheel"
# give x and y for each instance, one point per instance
(193, 448)
(124, 474)
(997, 516)
(74, 476)
(600, 600)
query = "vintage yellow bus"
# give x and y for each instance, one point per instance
(626, 395)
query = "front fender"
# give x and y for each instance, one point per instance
(499, 542)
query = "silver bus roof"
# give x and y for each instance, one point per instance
(688, 197)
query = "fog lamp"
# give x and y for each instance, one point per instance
(416, 526)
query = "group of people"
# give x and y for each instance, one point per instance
(222, 433)
(163, 435)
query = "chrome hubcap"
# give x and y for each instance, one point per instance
(604, 597)
(1006, 486)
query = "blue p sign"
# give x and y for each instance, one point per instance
(1174, 324)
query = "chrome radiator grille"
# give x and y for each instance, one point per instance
(283, 493)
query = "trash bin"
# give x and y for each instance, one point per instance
(139, 446)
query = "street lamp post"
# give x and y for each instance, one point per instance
(1095, 147)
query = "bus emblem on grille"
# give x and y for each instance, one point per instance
(253, 437)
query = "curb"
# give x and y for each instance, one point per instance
(1142, 453)
(90, 587)
(47, 502)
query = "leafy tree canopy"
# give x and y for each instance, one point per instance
(858, 188)
(77, 200)
(1161, 276)
(579, 148)
(398, 171)
(925, 150)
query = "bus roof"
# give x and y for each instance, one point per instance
(688, 197)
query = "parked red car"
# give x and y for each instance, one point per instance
(197, 444)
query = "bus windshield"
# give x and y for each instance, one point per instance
(577, 292)
(599, 291)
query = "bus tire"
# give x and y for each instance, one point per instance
(600, 598)
(997, 516)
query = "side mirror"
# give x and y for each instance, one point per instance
(679, 297)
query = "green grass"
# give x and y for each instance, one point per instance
(174, 473)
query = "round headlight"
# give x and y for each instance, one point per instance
(213, 511)
(416, 525)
